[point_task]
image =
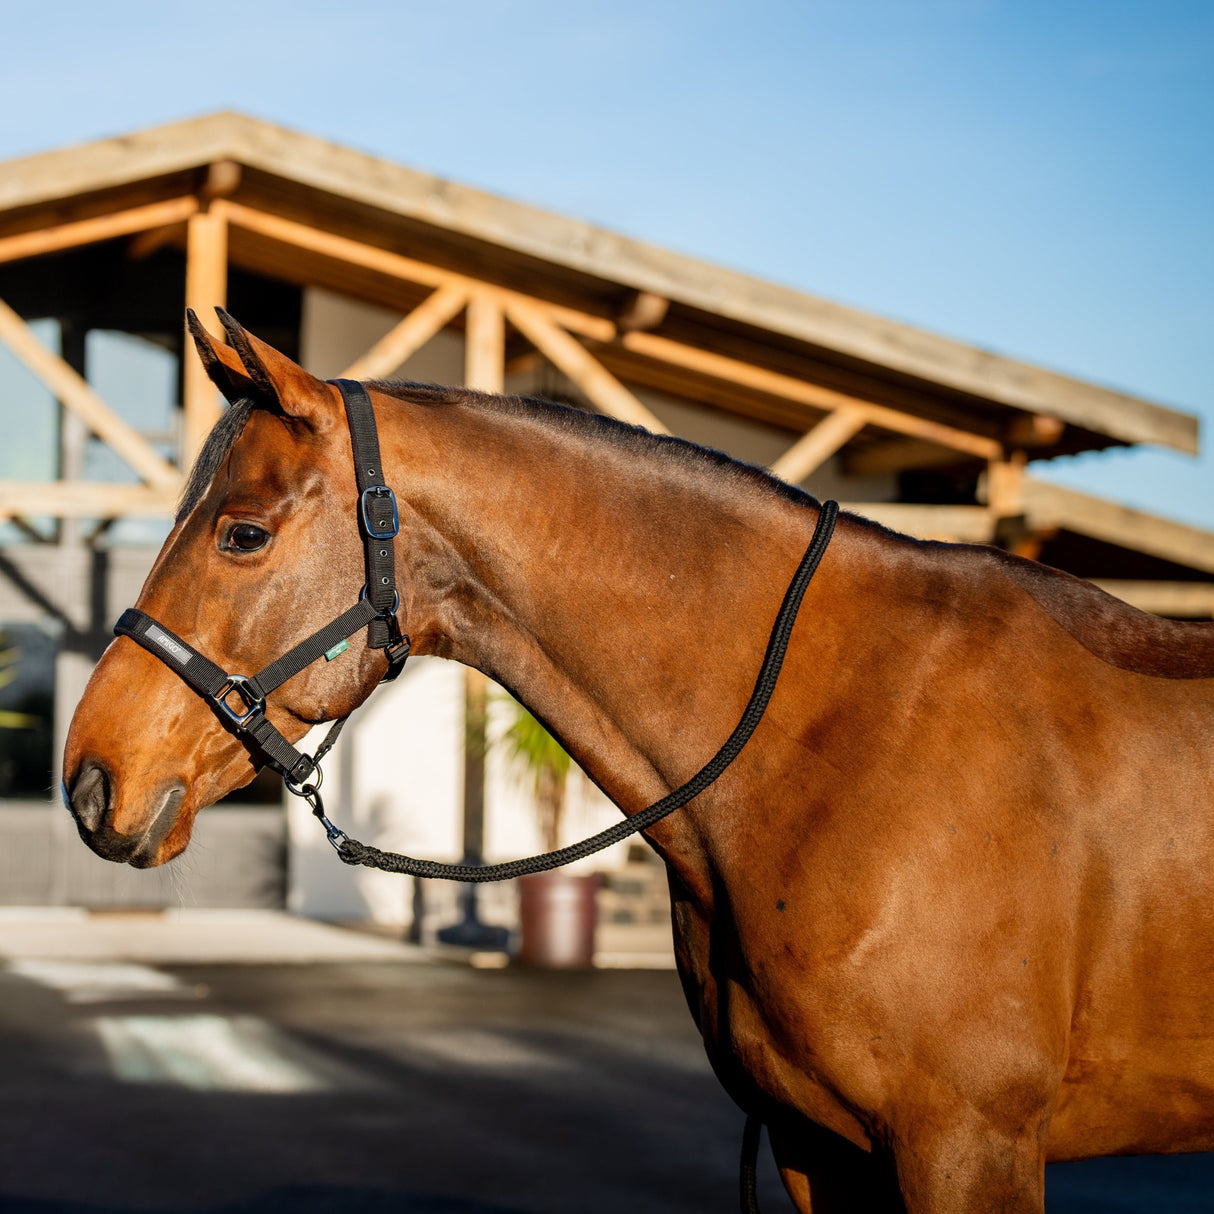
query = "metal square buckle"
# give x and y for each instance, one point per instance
(239, 684)
(379, 491)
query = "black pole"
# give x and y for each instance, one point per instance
(470, 932)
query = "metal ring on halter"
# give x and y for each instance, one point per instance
(362, 594)
(309, 787)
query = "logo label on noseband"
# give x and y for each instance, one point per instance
(177, 652)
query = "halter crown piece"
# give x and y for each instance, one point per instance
(240, 701)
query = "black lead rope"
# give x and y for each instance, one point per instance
(748, 1169)
(354, 852)
(240, 701)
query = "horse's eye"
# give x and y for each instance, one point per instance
(245, 537)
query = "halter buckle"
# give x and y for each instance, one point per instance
(253, 703)
(378, 492)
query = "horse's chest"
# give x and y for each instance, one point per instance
(760, 1048)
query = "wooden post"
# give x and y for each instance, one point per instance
(1005, 485)
(73, 436)
(206, 285)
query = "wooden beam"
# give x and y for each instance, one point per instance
(570, 356)
(84, 499)
(206, 286)
(341, 248)
(814, 448)
(957, 524)
(1190, 599)
(1047, 506)
(1034, 430)
(406, 338)
(144, 244)
(485, 345)
(718, 366)
(644, 310)
(901, 455)
(103, 227)
(78, 396)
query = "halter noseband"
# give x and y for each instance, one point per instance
(239, 700)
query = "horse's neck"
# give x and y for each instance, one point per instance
(624, 597)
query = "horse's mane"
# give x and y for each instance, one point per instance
(218, 443)
(665, 448)
(636, 440)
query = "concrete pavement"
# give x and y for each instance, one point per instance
(388, 1080)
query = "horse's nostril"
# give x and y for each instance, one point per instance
(91, 797)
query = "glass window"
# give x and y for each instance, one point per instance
(29, 421)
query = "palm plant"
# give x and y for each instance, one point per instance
(9, 657)
(545, 764)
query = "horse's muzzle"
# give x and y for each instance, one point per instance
(91, 804)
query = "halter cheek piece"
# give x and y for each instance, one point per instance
(239, 700)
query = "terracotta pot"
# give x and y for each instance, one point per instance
(557, 915)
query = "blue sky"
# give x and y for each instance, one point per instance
(1033, 178)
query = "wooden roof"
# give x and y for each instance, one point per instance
(576, 265)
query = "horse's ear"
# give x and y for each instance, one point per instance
(221, 362)
(280, 382)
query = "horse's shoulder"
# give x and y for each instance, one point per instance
(1110, 629)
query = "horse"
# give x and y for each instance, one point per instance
(949, 914)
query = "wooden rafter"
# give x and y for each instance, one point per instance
(815, 447)
(649, 345)
(1048, 506)
(103, 227)
(900, 455)
(341, 248)
(957, 524)
(1163, 598)
(774, 383)
(409, 335)
(78, 396)
(84, 499)
(569, 355)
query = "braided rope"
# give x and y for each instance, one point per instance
(356, 853)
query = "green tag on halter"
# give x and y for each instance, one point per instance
(337, 650)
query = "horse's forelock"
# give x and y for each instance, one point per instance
(218, 443)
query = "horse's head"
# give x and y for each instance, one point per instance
(265, 550)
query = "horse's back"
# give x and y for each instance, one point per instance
(1108, 628)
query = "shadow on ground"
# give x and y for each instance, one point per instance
(409, 1089)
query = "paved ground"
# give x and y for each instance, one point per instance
(369, 1086)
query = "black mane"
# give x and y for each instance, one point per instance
(666, 447)
(218, 443)
(636, 439)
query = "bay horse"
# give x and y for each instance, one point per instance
(948, 916)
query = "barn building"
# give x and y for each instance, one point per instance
(365, 268)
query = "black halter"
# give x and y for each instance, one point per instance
(240, 701)
(376, 611)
